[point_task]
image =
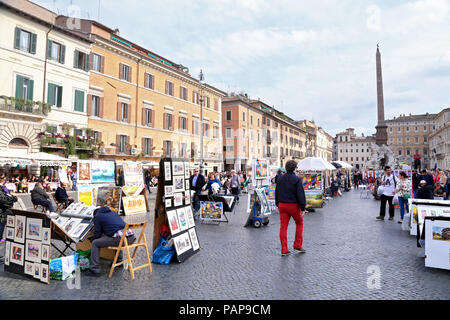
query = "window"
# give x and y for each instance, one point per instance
(424, 128)
(390, 129)
(24, 88)
(258, 122)
(416, 128)
(425, 152)
(81, 60)
(79, 101)
(425, 139)
(168, 121)
(207, 102)
(54, 95)
(25, 41)
(407, 129)
(243, 116)
(399, 129)
(417, 151)
(78, 132)
(357, 158)
(183, 93)
(124, 112)
(96, 62)
(183, 123)
(196, 127)
(125, 72)
(150, 81)
(416, 139)
(123, 141)
(228, 132)
(56, 51)
(148, 117)
(195, 97)
(52, 129)
(228, 148)
(169, 88)
(96, 136)
(147, 146)
(206, 130)
(228, 115)
(215, 132)
(408, 152)
(182, 150)
(216, 104)
(399, 152)
(168, 147)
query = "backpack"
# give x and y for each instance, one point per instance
(6, 200)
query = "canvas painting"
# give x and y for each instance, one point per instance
(178, 199)
(37, 270)
(178, 168)
(44, 273)
(7, 252)
(173, 222)
(9, 233)
(168, 191)
(110, 197)
(182, 219)
(84, 171)
(19, 235)
(133, 174)
(167, 171)
(46, 236)
(34, 229)
(261, 169)
(194, 239)
(17, 253)
(178, 183)
(211, 210)
(189, 216)
(11, 221)
(168, 202)
(29, 268)
(45, 254)
(33, 251)
(441, 233)
(182, 243)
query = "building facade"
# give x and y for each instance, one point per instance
(324, 145)
(439, 141)
(144, 106)
(350, 148)
(43, 88)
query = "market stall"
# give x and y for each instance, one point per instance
(258, 206)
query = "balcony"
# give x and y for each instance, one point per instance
(11, 105)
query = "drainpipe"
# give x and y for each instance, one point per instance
(45, 63)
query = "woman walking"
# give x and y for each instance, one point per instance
(403, 192)
(291, 202)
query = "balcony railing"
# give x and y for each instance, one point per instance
(11, 104)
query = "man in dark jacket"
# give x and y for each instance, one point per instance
(425, 191)
(62, 196)
(197, 181)
(427, 177)
(108, 229)
(40, 197)
(291, 202)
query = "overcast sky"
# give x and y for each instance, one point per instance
(309, 59)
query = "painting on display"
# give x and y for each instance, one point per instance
(110, 197)
(178, 168)
(167, 171)
(261, 169)
(133, 173)
(103, 171)
(19, 234)
(84, 171)
(172, 219)
(189, 216)
(85, 194)
(194, 239)
(34, 229)
(33, 251)
(437, 242)
(265, 208)
(182, 243)
(133, 205)
(17, 253)
(178, 183)
(178, 199)
(210, 210)
(182, 219)
(312, 181)
(314, 198)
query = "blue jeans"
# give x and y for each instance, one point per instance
(403, 205)
(415, 193)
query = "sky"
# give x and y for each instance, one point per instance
(311, 60)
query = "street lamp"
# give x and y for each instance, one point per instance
(201, 82)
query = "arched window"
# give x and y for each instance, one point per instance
(18, 142)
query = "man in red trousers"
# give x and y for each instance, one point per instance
(291, 202)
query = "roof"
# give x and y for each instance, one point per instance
(413, 117)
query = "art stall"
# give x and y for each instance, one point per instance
(258, 206)
(430, 223)
(174, 233)
(312, 170)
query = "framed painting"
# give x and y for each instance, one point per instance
(34, 229)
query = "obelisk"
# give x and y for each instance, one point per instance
(381, 135)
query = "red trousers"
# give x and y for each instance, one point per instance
(288, 210)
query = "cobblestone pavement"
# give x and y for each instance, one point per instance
(342, 240)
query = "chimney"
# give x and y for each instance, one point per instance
(117, 31)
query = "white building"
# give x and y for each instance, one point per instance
(39, 62)
(440, 140)
(350, 148)
(324, 145)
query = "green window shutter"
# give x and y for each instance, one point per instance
(30, 89)
(60, 91)
(51, 94)
(63, 54)
(79, 101)
(33, 43)
(17, 38)
(87, 64)
(19, 87)
(75, 59)
(49, 49)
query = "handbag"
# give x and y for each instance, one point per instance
(406, 196)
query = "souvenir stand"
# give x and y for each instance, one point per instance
(173, 208)
(258, 206)
(27, 246)
(430, 223)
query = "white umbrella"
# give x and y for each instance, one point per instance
(314, 164)
(344, 165)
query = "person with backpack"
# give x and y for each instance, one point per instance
(389, 184)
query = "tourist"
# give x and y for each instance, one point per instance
(291, 202)
(280, 173)
(427, 177)
(389, 184)
(212, 178)
(439, 191)
(415, 183)
(147, 181)
(235, 184)
(403, 192)
(40, 197)
(441, 177)
(61, 195)
(196, 182)
(120, 180)
(425, 191)
(23, 186)
(108, 230)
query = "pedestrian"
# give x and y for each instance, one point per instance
(148, 180)
(389, 184)
(235, 184)
(425, 191)
(280, 173)
(427, 177)
(403, 192)
(415, 183)
(439, 191)
(196, 182)
(291, 202)
(212, 178)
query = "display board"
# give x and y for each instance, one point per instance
(27, 246)
(103, 171)
(437, 242)
(84, 172)
(133, 173)
(173, 207)
(421, 208)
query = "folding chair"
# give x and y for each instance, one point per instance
(123, 245)
(36, 207)
(59, 205)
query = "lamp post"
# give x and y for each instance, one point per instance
(201, 82)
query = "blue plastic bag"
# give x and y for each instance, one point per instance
(163, 252)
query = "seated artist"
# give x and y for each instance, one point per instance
(108, 229)
(61, 195)
(40, 197)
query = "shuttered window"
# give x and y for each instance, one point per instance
(24, 88)
(169, 88)
(25, 41)
(56, 51)
(149, 81)
(147, 146)
(54, 95)
(79, 101)
(81, 60)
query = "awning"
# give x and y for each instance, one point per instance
(42, 158)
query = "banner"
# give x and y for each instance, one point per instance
(133, 205)
(103, 171)
(85, 194)
(133, 173)
(84, 171)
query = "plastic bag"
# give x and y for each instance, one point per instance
(63, 268)
(163, 252)
(395, 200)
(84, 260)
(380, 190)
